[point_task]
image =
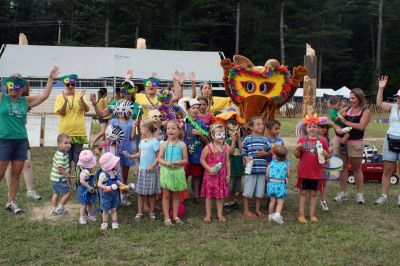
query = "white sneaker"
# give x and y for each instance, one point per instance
(277, 218)
(125, 202)
(61, 210)
(33, 195)
(53, 211)
(82, 220)
(270, 217)
(91, 218)
(13, 207)
(104, 226)
(114, 225)
(341, 196)
(324, 206)
(360, 198)
(381, 200)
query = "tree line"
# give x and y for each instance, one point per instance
(351, 48)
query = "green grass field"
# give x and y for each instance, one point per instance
(349, 234)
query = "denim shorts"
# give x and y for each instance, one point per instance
(109, 200)
(84, 197)
(388, 155)
(254, 185)
(60, 187)
(14, 149)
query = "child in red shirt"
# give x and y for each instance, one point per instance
(309, 168)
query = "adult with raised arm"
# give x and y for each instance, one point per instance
(215, 103)
(71, 107)
(13, 134)
(391, 144)
(357, 117)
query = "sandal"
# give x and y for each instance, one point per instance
(139, 216)
(250, 216)
(222, 220)
(260, 215)
(168, 222)
(178, 220)
(152, 216)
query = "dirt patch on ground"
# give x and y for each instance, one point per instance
(42, 213)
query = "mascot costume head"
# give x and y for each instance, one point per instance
(260, 90)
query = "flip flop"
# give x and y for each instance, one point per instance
(222, 220)
(249, 216)
(207, 220)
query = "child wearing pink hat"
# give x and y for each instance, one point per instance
(109, 182)
(86, 194)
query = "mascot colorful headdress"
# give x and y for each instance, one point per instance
(71, 78)
(165, 95)
(114, 134)
(14, 83)
(307, 120)
(260, 90)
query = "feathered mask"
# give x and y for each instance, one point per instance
(14, 83)
(128, 87)
(72, 78)
(165, 96)
(151, 82)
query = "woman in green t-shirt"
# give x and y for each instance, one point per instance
(13, 134)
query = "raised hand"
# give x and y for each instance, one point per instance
(179, 76)
(65, 94)
(383, 81)
(192, 77)
(93, 98)
(54, 72)
(129, 74)
(82, 93)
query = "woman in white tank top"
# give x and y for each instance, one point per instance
(390, 158)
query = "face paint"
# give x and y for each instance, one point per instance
(220, 135)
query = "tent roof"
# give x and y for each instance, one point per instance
(344, 91)
(319, 93)
(99, 62)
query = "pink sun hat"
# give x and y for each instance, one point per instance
(87, 159)
(108, 161)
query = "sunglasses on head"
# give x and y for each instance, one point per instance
(70, 84)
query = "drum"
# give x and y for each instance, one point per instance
(333, 169)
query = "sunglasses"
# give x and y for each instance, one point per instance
(70, 84)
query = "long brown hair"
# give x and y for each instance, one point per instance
(360, 96)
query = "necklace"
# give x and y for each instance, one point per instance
(197, 126)
(172, 150)
(70, 107)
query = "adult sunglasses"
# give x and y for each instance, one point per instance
(70, 84)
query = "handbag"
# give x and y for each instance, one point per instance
(394, 144)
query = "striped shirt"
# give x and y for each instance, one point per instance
(251, 144)
(60, 159)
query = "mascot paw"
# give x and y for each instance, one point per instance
(299, 72)
(226, 63)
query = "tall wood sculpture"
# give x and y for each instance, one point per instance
(310, 81)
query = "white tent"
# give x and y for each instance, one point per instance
(343, 91)
(100, 62)
(319, 93)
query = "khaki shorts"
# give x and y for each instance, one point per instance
(354, 149)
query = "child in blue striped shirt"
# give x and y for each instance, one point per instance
(256, 148)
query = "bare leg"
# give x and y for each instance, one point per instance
(165, 203)
(271, 206)
(344, 174)
(324, 192)
(175, 204)
(152, 202)
(246, 209)
(89, 209)
(196, 186)
(99, 135)
(54, 200)
(140, 203)
(28, 173)
(388, 169)
(82, 211)
(114, 215)
(279, 206)
(358, 174)
(258, 208)
(302, 202)
(65, 198)
(207, 217)
(105, 216)
(3, 168)
(313, 202)
(16, 169)
(220, 208)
